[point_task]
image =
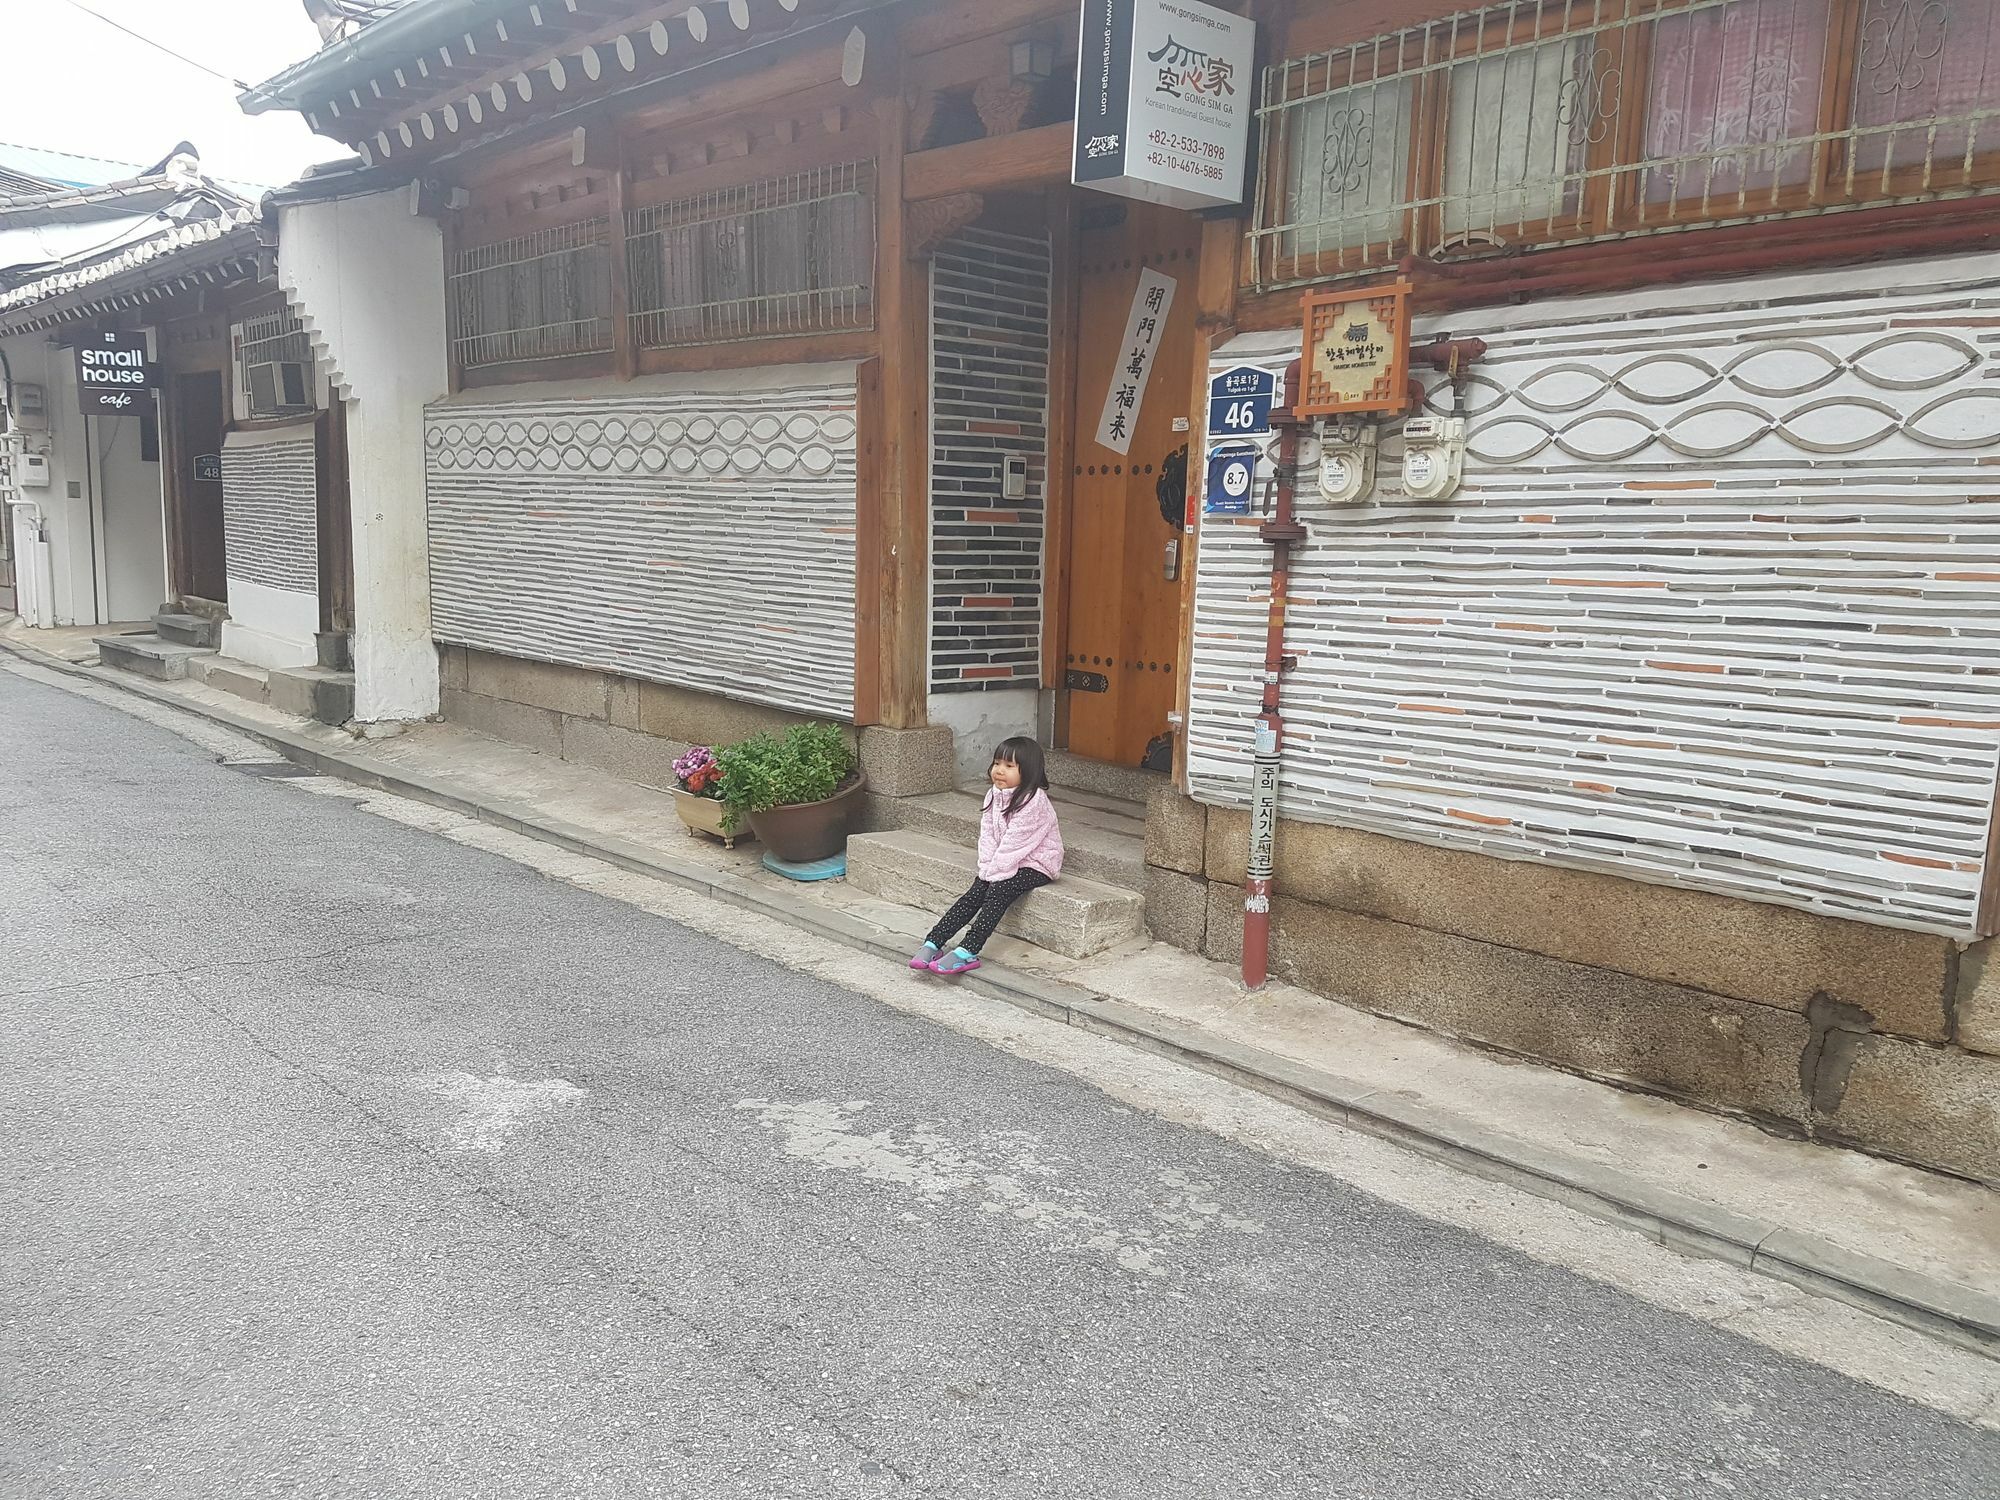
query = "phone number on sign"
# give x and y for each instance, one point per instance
(1187, 145)
(1205, 169)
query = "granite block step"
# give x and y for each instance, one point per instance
(313, 693)
(1126, 783)
(244, 679)
(1104, 838)
(1075, 917)
(148, 655)
(187, 630)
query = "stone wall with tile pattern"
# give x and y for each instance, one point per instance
(1718, 605)
(270, 507)
(703, 539)
(989, 400)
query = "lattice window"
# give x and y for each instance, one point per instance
(272, 364)
(545, 295)
(1544, 121)
(789, 255)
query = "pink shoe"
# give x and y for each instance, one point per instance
(954, 963)
(922, 959)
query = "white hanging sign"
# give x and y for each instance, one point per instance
(1145, 326)
(1163, 101)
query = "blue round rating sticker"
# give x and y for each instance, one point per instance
(1232, 475)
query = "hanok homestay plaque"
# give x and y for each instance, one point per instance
(1357, 354)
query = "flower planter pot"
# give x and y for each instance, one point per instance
(704, 815)
(808, 831)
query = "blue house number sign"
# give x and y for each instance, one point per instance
(1239, 402)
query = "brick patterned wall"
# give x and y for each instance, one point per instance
(989, 398)
(270, 507)
(1718, 606)
(699, 537)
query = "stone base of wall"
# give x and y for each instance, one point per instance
(1881, 1039)
(636, 729)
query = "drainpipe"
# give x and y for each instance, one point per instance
(1281, 533)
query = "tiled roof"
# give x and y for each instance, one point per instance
(173, 240)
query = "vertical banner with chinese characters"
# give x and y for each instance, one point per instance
(1163, 101)
(1151, 303)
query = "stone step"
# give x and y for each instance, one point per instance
(1128, 783)
(1075, 917)
(188, 630)
(244, 679)
(148, 655)
(313, 693)
(1103, 838)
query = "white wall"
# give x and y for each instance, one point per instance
(131, 508)
(980, 721)
(367, 276)
(1716, 607)
(107, 559)
(270, 517)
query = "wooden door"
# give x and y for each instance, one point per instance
(200, 564)
(1122, 601)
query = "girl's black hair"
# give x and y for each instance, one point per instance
(1027, 754)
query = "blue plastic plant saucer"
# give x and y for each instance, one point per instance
(815, 869)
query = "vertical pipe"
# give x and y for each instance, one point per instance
(1282, 531)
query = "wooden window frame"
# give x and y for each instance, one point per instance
(1613, 205)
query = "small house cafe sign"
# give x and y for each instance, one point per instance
(111, 374)
(1163, 101)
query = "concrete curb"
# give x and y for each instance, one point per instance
(1943, 1309)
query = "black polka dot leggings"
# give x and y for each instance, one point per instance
(983, 906)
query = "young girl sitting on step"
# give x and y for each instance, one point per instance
(1020, 848)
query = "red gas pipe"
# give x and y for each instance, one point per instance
(1281, 532)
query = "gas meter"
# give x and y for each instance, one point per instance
(1433, 456)
(1346, 459)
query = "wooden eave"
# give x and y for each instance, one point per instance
(536, 63)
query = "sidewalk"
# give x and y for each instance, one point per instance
(1915, 1246)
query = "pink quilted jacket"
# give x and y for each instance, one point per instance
(1030, 839)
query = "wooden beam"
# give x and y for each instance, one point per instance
(899, 573)
(1027, 159)
(623, 360)
(1058, 482)
(1214, 324)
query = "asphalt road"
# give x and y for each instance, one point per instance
(342, 1159)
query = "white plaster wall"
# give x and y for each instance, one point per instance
(367, 276)
(271, 627)
(132, 506)
(106, 559)
(979, 721)
(1716, 607)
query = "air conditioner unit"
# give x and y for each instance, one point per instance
(280, 386)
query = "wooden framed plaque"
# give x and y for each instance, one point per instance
(1357, 351)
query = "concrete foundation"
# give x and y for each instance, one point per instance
(636, 730)
(1880, 1038)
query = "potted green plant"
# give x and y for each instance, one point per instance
(799, 791)
(698, 797)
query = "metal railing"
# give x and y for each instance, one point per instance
(1539, 122)
(789, 255)
(273, 338)
(538, 296)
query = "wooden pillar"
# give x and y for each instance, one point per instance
(624, 359)
(1215, 318)
(894, 581)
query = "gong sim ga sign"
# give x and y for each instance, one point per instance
(112, 375)
(1357, 354)
(1163, 101)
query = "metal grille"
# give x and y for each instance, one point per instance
(539, 296)
(1546, 121)
(789, 255)
(275, 338)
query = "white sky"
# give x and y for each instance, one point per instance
(68, 82)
